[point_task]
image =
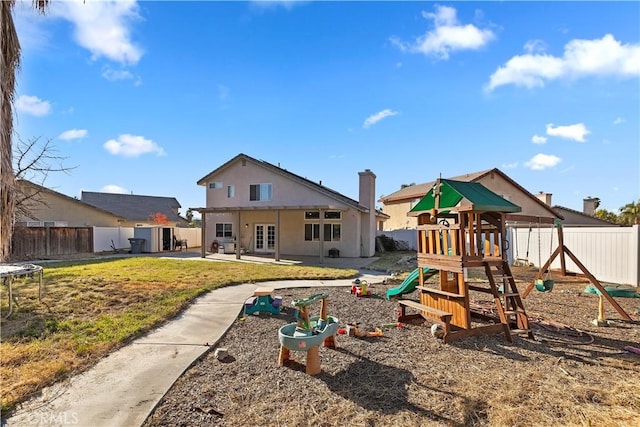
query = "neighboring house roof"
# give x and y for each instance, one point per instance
(134, 207)
(468, 195)
(283, 172)
(576, 218)
(45, 190)
(418, 191)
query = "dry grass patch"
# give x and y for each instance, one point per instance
(92, 307)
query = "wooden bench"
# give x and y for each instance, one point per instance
(440, 316)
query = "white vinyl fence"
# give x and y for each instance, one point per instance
(611, 254)
(105, 237)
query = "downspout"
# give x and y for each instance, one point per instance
(203, 233)
(321, 236)
(277, 255)
(237, 242)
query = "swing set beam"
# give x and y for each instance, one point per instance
(563, 249)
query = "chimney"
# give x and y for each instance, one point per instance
(589, 206)
(544, 197)
(367, 199)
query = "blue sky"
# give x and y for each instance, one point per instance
(148, 97)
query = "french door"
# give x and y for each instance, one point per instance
(265, 238)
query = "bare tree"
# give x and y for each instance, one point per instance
(9, 65)
(34, 162)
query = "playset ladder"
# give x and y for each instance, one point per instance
(507, 298)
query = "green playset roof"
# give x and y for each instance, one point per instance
(467, 196)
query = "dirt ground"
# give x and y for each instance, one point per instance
(573, 373)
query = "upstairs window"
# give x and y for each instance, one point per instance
(260, 192)
(231, 191)
(215, 185)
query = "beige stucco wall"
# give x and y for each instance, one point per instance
(292, 224)
(529, 206)
(285, 192)
(298, 197)
(61, 208)
(398, 216)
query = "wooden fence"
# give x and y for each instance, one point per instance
(39, 242)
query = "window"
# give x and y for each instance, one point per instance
(332, 215)
(260, 192)
(231, 191)
(312, 215)
(215, 185)
(224, 230)
(327, 215)
(332, 232)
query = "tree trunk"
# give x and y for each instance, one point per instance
(9, 63)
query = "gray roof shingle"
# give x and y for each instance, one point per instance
(134, 207)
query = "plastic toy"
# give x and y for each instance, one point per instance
(308, 333)
(262, 301)
(360, 288)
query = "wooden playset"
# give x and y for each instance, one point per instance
(262, 301)
(308, 333)
(462, 225)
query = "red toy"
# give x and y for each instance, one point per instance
(360, 288)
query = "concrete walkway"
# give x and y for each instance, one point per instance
(124, 387)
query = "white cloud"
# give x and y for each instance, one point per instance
(538, 139)
(116, 75)
(114, 189)
(32, 105)
(71, 134)
(618, 120)
(132, 146)
(575, 132)
(542, 161)
(599, 57)
(448, 35)
(102, 27)
(533, 46)
(375, 118)
(31, 28)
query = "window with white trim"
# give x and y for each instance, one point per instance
(231, 191)
(260, 192)
(224, 230)
(332, 232)
(330, 215)
(215, 185)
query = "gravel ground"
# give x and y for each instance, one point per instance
(574, 373)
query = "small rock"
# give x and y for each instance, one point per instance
(221, 353)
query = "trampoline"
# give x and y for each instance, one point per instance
(8, 272)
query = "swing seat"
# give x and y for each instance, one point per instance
(544, 285)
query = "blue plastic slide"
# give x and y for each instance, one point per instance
(409, 284)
